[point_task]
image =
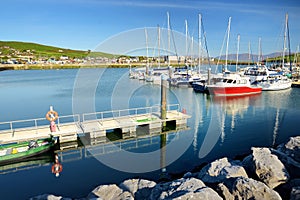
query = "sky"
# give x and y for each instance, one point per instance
(84, 24)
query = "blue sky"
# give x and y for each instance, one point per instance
(83, 24)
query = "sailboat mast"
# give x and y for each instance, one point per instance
(249, 53)
(199, 41)
(259, 58)
(169, 38)
(284, 42)
(158, 32)
(147, 52)
(186, 38)
(289, 42)
(228, 33)
(237, 52)
(192, 51)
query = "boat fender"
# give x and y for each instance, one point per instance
(52, 115)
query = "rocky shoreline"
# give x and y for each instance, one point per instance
(266, 173)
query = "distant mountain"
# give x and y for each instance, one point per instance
(245, 57)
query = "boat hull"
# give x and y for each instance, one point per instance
(275, 87)
(200, 88)
(9, 158)
(233, 91)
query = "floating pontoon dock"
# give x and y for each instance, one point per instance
(95, 124)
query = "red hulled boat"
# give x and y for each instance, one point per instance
(233, 85)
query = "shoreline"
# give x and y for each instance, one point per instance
(90, 65)
(266, 173)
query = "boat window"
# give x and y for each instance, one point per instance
(229, 81)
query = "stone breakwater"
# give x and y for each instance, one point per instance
(266, 173)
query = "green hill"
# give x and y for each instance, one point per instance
(16, 49)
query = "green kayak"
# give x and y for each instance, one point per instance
(16, 152)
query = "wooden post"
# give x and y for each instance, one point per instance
(163, 109)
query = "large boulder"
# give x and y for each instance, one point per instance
(246, 188)
(289, 155)
(190, 188)
(110, 192)
(220, 170)
(267, 167)
(291, 148)
(139, 188)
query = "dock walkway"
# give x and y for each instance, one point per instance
(95, 124)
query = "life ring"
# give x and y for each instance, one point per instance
(52, 115)
(56, 168)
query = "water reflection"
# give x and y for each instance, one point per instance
(27, 164)
(280, 100)
(234, 107)
(73, 151)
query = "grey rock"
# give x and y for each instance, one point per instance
(268, 168)
(295, 193)
(291, 165)
(205, 193)
(190, 188)
(220, 170)
(292, 148)
(246, 188)
(48, 197)
(139, 188)
(226, 194)
(110, 192)
(188, 175)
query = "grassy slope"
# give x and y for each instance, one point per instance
(47, 51)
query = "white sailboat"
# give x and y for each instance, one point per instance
(273, 80)
(154, 75)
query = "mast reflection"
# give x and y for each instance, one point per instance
(234, 107)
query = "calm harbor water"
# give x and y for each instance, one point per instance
(218, 127)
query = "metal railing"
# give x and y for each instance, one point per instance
(96, 116)
(29, 124)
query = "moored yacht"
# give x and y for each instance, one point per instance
(268, 79)
(275, 82)
(233, 85)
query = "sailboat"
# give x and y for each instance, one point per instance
(232, 84)
(273, 80)
(154, 75)
(200, 86)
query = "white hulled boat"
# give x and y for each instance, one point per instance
(275, 82)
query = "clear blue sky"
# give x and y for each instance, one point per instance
(83, 24)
